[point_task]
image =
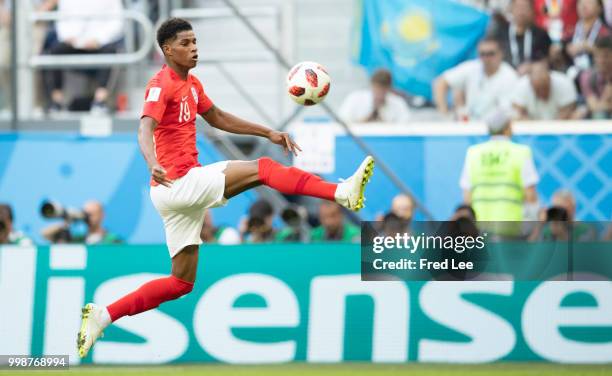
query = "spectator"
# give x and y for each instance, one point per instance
(85, 35)
(499, 177)
(581, 231)
(377, 104)
(393, 225)
(403, 207)
(557, 17)
(556, 220)
(589, 27)
(596, 83)
(333, 226)
(8, 235)
(545, 95)
(96, 233)
(295, 230)
(479, 86)
(521, 39)
(464, 211)
(258, 227)
(223, 235)
(462, 222)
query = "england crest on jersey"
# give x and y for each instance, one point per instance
(195, 94)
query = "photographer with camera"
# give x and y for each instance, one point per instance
(8, 235)
(556, 221)
(92, 215)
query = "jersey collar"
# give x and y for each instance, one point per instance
(173, 74)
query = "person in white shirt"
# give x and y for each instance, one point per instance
(544, 94)
(84, 35)
(479, 86)
(377, 104)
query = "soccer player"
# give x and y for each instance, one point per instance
(181, 189)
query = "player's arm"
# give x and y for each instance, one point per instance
(147, 148)
(233, 124)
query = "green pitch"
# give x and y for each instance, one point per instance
(353, 369)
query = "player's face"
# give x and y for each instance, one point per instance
(183, 50)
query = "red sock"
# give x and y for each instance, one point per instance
(149, 296)
(293, 181)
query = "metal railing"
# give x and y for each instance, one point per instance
(95, 60)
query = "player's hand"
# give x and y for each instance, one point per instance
(159, 175)
(283, 139)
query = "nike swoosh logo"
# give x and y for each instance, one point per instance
(184, 98)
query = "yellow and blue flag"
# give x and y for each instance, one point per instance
(415, 39)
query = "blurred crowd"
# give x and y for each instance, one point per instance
(546, 59)
(332, 223)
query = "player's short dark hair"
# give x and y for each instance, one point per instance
(170, 28)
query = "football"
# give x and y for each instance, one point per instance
(308, 83)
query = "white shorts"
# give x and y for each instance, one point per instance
(182, 205)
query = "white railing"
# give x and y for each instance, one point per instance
(97, 60)
(441, 128)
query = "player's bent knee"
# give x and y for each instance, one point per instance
(180, 287)
(264, 167)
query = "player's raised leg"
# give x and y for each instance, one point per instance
(95, 318)
(240, 176)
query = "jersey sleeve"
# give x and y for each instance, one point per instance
(155, 101)
(204, 102)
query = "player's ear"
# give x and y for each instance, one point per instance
(166, 49)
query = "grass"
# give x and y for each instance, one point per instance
(351, 369)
